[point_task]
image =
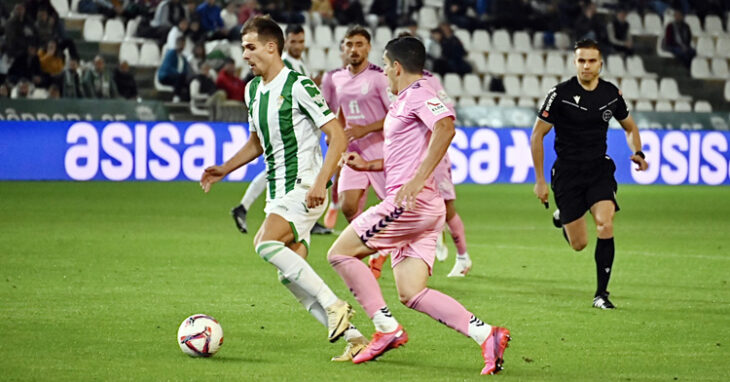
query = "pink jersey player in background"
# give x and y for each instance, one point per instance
(418, 131)
(359, 94)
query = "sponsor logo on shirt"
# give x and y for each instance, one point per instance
(607, 115)
(577, 99)
(545, 114)
(436, 106)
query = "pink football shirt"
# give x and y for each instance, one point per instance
(363, 99)
(435, 84)
(408, 128)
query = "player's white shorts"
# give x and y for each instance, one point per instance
(293, 208)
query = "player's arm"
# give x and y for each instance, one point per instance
(634, 141)
(250, 151)
(443, 133)
(539, 131)
(356, 162)
(337, 145)
(358, 131)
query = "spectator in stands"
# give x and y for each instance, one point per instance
(167, 14)
(71, 84)
(22, 90)
(123, 78)
(175, 70)
(178, 30)
(19, 30)
(196, 57)
(51, 61)
(434, 56)
(98, 82)
(386, 13)
(452, 50)
(348, 12)
(203, 89)
(229, 15)
(619, 35)
(678, 39)
(33, 6)
(195, 32)
(4, 90)
(511, 14)
(322, 13)
(460, 13)
(107, 8)
(27, 66)
(48, 29)
(248, 9)
(587, 26)
(54, 92)
(229, 82)
(210, 20)
(285, 11)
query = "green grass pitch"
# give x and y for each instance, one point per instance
(96, 278)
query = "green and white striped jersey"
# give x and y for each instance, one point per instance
(294, 64)
(287, 114)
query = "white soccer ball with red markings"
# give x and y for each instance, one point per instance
(200, 335)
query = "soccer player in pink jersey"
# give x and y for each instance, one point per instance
(418, 130)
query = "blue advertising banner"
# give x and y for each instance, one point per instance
(169, 151)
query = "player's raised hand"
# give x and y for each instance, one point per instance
(406, 196)
(643, 164)
(542, 191)
(353, 132)
(211, 175)
(316, 196)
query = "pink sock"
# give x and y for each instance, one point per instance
(361, 282)
(443, 309)
(456, 226)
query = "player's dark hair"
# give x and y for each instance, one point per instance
(266, 28)
(408, 51)
(357, 30)
(293, 29)
(587, 43)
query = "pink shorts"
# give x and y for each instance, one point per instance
(360, 180)
(442, 176)
(389, 229)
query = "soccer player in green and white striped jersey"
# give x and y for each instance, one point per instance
(293, 47)
(286, 114)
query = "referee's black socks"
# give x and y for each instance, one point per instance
(604, 263)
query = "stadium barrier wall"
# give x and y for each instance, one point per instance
(179, 151)
(81, 110)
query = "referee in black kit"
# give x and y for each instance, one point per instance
(582, 176)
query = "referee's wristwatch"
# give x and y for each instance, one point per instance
(641, 154)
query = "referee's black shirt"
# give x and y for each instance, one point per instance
(580, 118)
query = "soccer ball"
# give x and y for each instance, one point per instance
(200, 335)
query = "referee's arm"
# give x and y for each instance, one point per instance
(539, 131)
(634, 141)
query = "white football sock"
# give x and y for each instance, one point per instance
(384, 321)
(463, 257)
(309, 302)
(297, 270)
(478, 330)
(257, 186)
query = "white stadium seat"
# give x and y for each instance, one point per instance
(635, 67)
(547, 83)
(467, 101)
(636, 26)
(554, 64)
(719, 68)
(630, 88)
(501, 41)
(534, 64)
(713, 25)
(114, 31)
(487, 101)
(700, 68)
(526, 102)
(481, 42)
(333, 60)
(727, 90)
(694, 24)
(128, 52)
(130, 33)
(644, 105)
(339, 33)
(653, 24)
(722, 47)
(452, 84)
(538, 40)
(382, 35)
(472, 85)
(465, 37)
(61, 6)
(323, 37)
(512, 85)
(427, 18)
(705, 47)
(495, 63)
(682, 107)
(506, 102)
(563, 41)
(149, 54)
(522, 41)
(317, 59)
(93, 29)
(159, 86)
(664, 106)
(615, 65)
(515, 63)
(531, 87)
(478, 61)
(703, 107)
(668, 89)
(649, 89)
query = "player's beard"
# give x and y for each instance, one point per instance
(357, 61)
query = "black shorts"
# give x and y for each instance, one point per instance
(578, 186)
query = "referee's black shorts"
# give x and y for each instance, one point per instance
(578, 186)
